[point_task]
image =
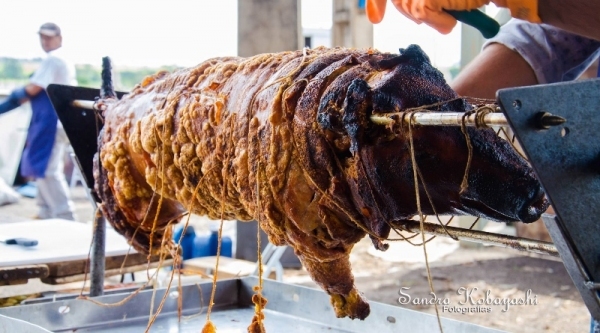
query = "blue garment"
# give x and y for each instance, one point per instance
(12, 102)
(40, 137)
(8, 105)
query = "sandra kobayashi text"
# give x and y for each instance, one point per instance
(471, 302)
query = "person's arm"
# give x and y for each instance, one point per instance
(19, 96)
(496, 67)
(580, 17)
(38, 82)
(33, 89)
(14, 100)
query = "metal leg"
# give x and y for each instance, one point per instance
(271, 256)
(573, 265)
(274, 263)
(132, 275)
(98, 257)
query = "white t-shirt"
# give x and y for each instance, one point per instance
(54, 69)
(554, 54)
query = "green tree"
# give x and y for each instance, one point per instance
(88, 76)
(13, 69)
(131, 77)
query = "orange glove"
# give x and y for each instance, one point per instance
(431, 12)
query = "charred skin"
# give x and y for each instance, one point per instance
(285, 139)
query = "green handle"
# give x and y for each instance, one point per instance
(478, 20)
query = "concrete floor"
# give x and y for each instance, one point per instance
(26, 209)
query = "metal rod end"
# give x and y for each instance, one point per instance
(545, 120)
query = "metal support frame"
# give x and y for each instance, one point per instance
(82, 126)
(566, 159)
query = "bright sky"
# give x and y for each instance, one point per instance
(178, 32)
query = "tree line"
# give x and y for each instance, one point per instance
(18, 71)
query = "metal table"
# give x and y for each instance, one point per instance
(290, 308)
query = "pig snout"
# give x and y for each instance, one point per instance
(506, 200)
(533, 205)
(501, 184)
(531, 213)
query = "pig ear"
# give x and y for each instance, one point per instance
(411, 53)
(414, 52)
(356, 106)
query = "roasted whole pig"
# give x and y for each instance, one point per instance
(285, 139)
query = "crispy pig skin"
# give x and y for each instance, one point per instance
(284, 139)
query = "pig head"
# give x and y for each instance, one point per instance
(501, 185)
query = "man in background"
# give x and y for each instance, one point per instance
(43, 157)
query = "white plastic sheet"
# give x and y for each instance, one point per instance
(13, 132)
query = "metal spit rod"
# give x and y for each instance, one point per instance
(545, 120)
(541, 120)
(83, 104)
(440, 119)
(517, 243)
(418, 118)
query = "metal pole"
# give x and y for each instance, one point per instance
(97, 263)
(517, 243)
(97, 260)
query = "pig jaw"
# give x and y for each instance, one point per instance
(502, 186)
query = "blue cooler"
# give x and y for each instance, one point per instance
(187, 242)
(206, 245)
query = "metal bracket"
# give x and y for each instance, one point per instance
(80, 124)
(566, 159)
